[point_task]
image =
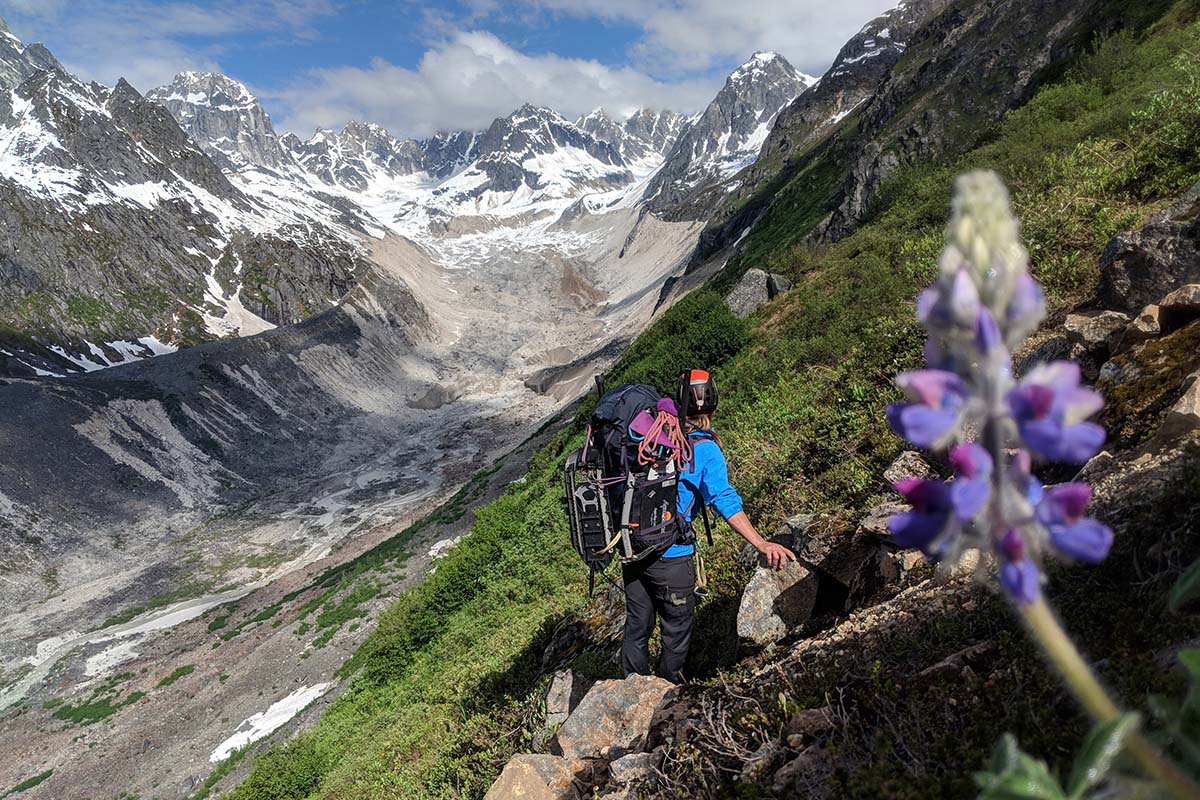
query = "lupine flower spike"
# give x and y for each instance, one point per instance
(982, 306)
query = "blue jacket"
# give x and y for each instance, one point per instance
(709, 473)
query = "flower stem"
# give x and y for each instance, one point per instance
(1061, 651)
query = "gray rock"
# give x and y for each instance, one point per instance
(762, 762)
(777, 285)
(614, 717)
(909, 464)
(749, 294)
(1138, 268)
(1184, 416)
(810, 724)
(806, 775)
(1052, 349)
(635, 766)
(1146, 325)
(1179, 307)
(560, 700)
(1095, 330)
(875, 522)
(776, 601)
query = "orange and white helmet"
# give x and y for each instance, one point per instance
(697, 393)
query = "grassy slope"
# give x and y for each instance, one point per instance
(447, 688)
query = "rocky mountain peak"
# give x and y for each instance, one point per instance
(357, 156)
(728, 135)
(19, 61)
(224, 117)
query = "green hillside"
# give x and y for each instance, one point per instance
(448, 687)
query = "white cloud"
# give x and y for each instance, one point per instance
(681, 36)
(147, 42)
(467, 81)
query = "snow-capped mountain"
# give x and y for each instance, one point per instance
(728, 135)
(224, 117)
(644, 135)
(357, 156)
(125, 239)
(865, 60)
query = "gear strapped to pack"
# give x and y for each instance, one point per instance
(622, 485)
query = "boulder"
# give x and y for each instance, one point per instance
(806, 775)
(876, 520)
(1145, 325)
(562, 696)
(1052, 349)
(1136, 269)
(775, 602)
(1179, 308)
(1184, 416)
(755, 289)
(762, 762)
(1095, 331)
(614, 717)
(909, 464)
(543, 777)
(634, 766)
(809, 724)
(835, 550)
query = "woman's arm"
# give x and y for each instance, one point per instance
(777, 555)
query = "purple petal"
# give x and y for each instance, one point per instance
(913, 529)
(1042, 436)
(923, 426)
(1011, 545)
(923, 494)
(968, 497)
(927, 302)
(987, 333)
(1080, 442)
(971, 460)
(1020, 580)
(1079, 404)
(964, 298)
(1027, 303)
(1061, 376)
(933, 387)
(1086, 540)
(1031, 401)
(1070, 500)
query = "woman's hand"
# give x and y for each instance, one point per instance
(777, 555)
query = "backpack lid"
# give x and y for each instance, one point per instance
(697, 393)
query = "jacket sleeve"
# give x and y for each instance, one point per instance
(714, 482)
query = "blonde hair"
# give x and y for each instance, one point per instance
(703, 422)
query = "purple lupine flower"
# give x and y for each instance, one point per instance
(1071, 533)
(1019, 576)
(969, 491)
(938, 399)
(1050, 408)
(1025, 310)
(931, 522)
(983, 304)
(946, 307)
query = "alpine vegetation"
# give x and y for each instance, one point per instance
(983, 304)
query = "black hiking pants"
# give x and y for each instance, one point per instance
(663, 588)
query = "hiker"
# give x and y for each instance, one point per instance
(665, 586)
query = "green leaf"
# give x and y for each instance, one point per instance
(1099, 750)
(1187, 588)
(1190, 658)
(1004, 755)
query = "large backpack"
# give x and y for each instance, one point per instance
(620, 504)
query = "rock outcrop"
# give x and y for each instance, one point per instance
(755, 289)
(775, 602)
(1139, 268)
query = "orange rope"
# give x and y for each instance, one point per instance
(667, 424)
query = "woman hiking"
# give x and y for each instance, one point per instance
(666, 586)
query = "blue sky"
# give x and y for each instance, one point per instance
(418, 67)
